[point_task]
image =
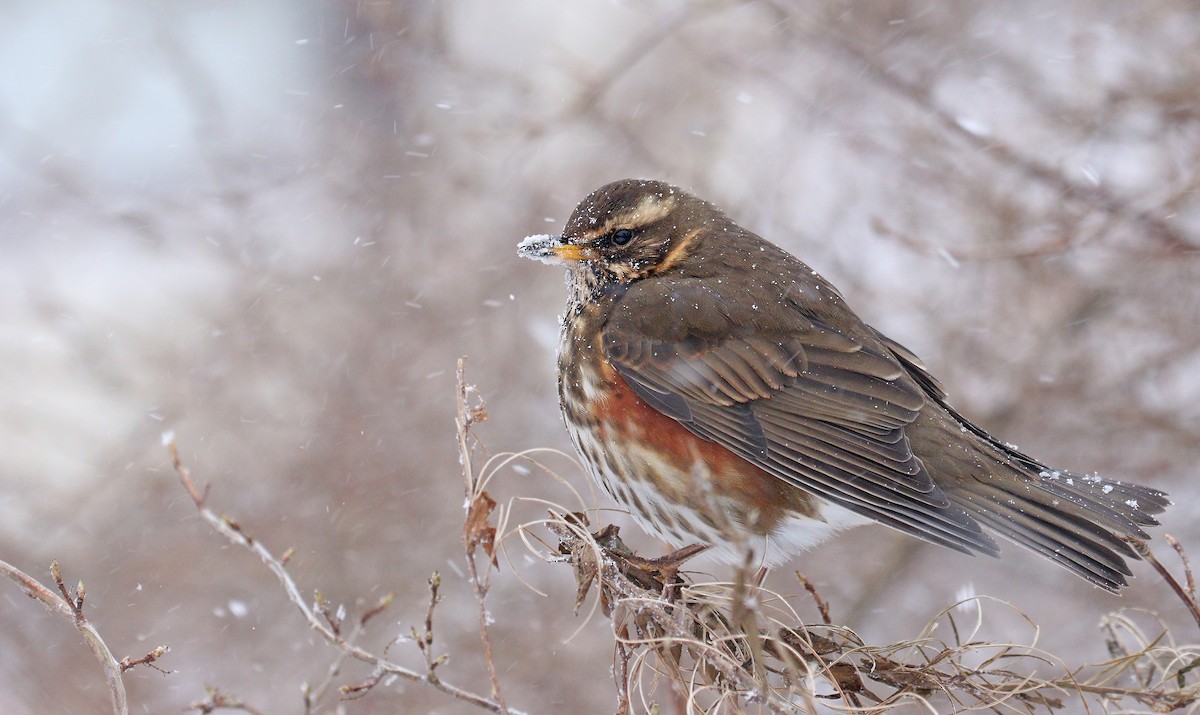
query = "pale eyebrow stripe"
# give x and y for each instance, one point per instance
(651, 209)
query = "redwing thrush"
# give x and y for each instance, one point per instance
(725, 393)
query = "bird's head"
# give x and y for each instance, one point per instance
(625, 231)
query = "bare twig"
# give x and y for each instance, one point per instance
(1187, 566)
(424, 639)
(217, 700)
(1186, 595)
(312, 695)
(477, 529)
(236, 535)
(128, 663)
(71, 607)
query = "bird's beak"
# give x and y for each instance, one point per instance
(553, 249)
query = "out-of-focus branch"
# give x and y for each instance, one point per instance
(215, 700)
(1095, 195)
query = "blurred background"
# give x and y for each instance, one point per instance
(273, 227)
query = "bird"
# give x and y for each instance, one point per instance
(727, 395)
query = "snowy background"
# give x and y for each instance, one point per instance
(272, 227)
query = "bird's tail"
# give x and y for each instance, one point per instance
(1082, 522)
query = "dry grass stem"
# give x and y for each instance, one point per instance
(736, 647)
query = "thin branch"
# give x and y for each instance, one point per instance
(148, 660)
(218, 700)
(313, 695)
(477, 530)
(236, 535)
(1098, 196)
(424, 639)
(1186, 595)
(71, 608)
(1187, 565)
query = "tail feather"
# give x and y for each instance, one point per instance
(1123, 506)
(1108, 573)
(1085, 547)
(1083, 523)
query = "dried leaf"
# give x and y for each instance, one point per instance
(477, 530)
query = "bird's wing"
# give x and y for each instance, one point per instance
(806, 403)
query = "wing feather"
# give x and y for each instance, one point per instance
(822, 410)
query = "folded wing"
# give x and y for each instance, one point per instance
(804, 402)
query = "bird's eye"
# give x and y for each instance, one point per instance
(622, 236)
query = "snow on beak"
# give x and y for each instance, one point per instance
(553, 250)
